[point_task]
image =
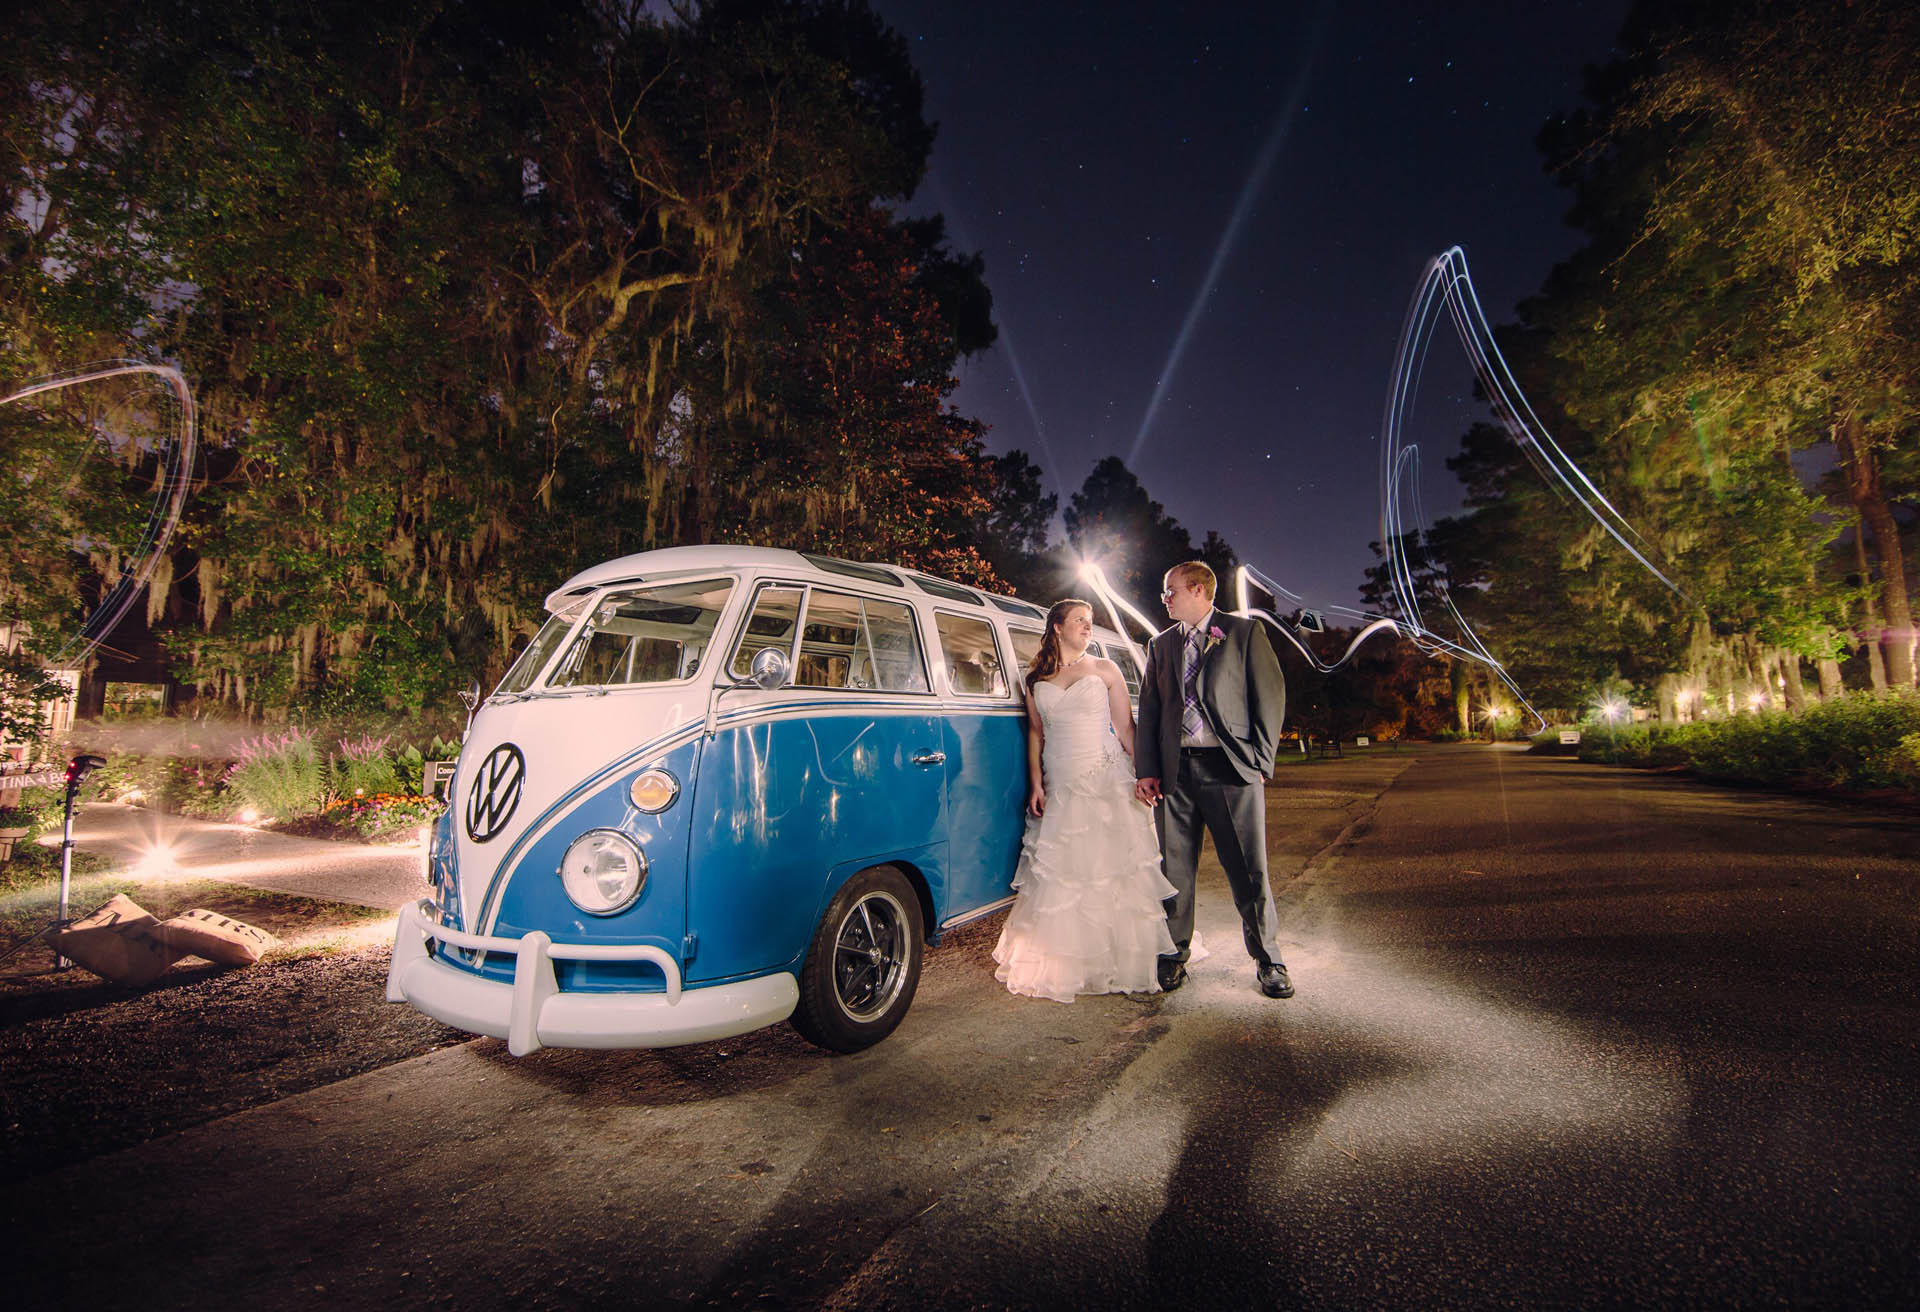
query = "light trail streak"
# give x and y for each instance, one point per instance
(169, 498)
(1229, 238)
(1117, 605)
(944, 200)
(1445, 286)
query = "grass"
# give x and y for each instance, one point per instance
(305, 926)
(33, 865)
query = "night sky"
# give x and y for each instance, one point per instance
(1107, 158)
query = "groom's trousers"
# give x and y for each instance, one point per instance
(1209, 796)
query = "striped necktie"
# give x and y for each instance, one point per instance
(1192, 723)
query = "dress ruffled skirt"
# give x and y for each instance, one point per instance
(1089, 914)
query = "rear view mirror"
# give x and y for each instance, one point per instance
(770, 669)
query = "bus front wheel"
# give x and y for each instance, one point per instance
(864, 963)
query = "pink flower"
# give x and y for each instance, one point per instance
(1216, 633)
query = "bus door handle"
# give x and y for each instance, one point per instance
(930, 758)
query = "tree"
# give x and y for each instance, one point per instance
(1758, 290)
(1015, 533)
(475, 295)
(1112, 521)
(1746, 178)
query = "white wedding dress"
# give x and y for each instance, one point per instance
(1088, 917)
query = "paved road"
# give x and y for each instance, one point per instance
(131, 837)
(1564, 1035)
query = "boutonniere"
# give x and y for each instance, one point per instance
(1215, 635)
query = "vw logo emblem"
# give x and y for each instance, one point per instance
(495, 792)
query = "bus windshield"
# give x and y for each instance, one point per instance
(644, 635)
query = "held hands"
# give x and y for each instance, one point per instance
(1146, 791)
(1036, 801)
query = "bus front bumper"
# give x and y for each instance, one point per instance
(532, 1012)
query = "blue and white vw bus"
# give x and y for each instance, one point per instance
(724, 787)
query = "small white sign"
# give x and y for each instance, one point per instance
(1361, 741)
(39, 776)
(1569, 737)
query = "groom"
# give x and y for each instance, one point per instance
(1211, 705)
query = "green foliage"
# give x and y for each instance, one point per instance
(363, 767)
(410, 762)
(1856, 743)
(163, 781)
(281, 776)
(1903, 762)
(471, 296)
(25, 688)
(1741, 315)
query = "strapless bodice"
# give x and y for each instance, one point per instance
(1079, 730)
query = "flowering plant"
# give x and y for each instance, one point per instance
(383, 816)
(1215, 634)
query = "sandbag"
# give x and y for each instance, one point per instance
(218, 938)
(119, 942)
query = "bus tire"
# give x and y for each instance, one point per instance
(864, 963)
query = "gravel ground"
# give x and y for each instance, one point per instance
(88, 1068)
(92, 1068)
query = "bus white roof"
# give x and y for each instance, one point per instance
(672, 561)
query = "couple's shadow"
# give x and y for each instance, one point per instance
(1259, 1109)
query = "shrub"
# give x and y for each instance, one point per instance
(364, 768)
(1858, 742)
(279, 775)
(411, 762)
(1904, 760)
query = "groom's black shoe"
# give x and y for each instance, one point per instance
(1172, 976)
(1273, 980)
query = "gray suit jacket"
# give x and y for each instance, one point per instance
(1243, 694)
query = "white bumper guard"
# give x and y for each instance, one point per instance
(533, 1013)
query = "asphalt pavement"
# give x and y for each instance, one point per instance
(1564, 1036)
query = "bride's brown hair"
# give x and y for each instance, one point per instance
(1047, 663)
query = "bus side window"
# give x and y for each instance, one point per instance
(775, 611)
(860, 643)
(1026, 646)
(973, 659)
(1129, 672)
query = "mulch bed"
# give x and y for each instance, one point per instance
(87, 1068)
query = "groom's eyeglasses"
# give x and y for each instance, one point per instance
(1166, 594)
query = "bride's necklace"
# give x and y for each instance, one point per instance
(1067, 665)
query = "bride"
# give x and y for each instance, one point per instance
(1088, 915)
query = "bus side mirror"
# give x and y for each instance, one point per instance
(1309, 621)
(770, 669)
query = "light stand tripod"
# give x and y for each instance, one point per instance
(77, 769)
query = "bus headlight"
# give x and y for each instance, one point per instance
(653, 791)
(603, 872)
